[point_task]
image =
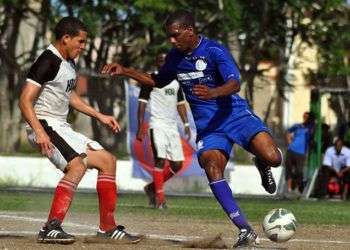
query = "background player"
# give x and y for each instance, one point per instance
(164, 134)
(210, 79)
(44, 102)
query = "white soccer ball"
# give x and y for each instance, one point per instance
(279, 225)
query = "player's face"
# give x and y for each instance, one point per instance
(180, 37)
(76, 44)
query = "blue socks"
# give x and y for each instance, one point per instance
(223, 195)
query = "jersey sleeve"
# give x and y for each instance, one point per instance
(180, 96)
(226, 64)
(292, 128)
(347, 161)
(327, 159)
(145, 93)
(44, 69)
(167, 73)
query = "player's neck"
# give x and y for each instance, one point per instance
(60, 48)
(195, 43)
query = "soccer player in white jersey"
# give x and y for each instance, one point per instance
(44, 102)
(164, 103)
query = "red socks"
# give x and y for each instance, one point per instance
(107, 196)
(168, 172)
(62, 199)
(158, 181)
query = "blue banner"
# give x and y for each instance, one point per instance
(141, 152)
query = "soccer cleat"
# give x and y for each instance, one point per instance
(149, 190)
(267, 180)
(247, 237)
(52, 232)
(118, 233)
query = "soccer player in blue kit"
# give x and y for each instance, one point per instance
(210, 80)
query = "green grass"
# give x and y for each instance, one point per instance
(201, 208)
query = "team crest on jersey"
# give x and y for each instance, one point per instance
(201, 64)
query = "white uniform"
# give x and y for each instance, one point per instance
(337, 161)
(57, 77)
(164, 134)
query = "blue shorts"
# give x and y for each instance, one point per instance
(240, 129)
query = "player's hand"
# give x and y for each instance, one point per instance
(203, 91)
(188, 132)
(110, 122)
(112, 69)
(139, 134)
(44, 143)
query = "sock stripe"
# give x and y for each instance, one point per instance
(106, 180)
(213, 182)
(158, 169)
(68, 183)
(66, 186)
(111, 177)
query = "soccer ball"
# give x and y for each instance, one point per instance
(279, 225)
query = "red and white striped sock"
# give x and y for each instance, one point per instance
(107, 196)
(62, 199)
(158, 185)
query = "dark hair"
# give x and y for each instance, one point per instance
(181, 17)
(69, 26)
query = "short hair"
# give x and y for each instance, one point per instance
(181, 17)
(69, 26)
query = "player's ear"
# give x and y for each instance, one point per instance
(65, 39)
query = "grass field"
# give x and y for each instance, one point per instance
(201, 208)
(321, 224)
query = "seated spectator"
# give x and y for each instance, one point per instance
(335, 168)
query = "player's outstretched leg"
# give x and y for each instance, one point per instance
(267, 155)
(214, 162)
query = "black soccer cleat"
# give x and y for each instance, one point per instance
(118, 233)
(149, 190)
(267, 180)
(247, 237)
(53, 233)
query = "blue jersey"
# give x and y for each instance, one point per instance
(210, 64)
(301, 138)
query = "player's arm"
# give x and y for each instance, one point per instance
(229, 88)
(165, 75)
(29, 93)
(290, 134)
(228, 71)
(181, 109)
(142, 103)
(79, 104)
(118, 69)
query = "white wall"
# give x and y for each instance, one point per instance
(39, 172)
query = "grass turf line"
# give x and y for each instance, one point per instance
(201, 208)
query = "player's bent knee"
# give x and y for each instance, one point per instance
(275, 159)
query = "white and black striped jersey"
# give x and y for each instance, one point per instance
(162, 103)
(57, 77)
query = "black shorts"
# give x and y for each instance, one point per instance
(294, 165)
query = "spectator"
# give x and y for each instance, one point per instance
(298, 139)
(335, 168)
